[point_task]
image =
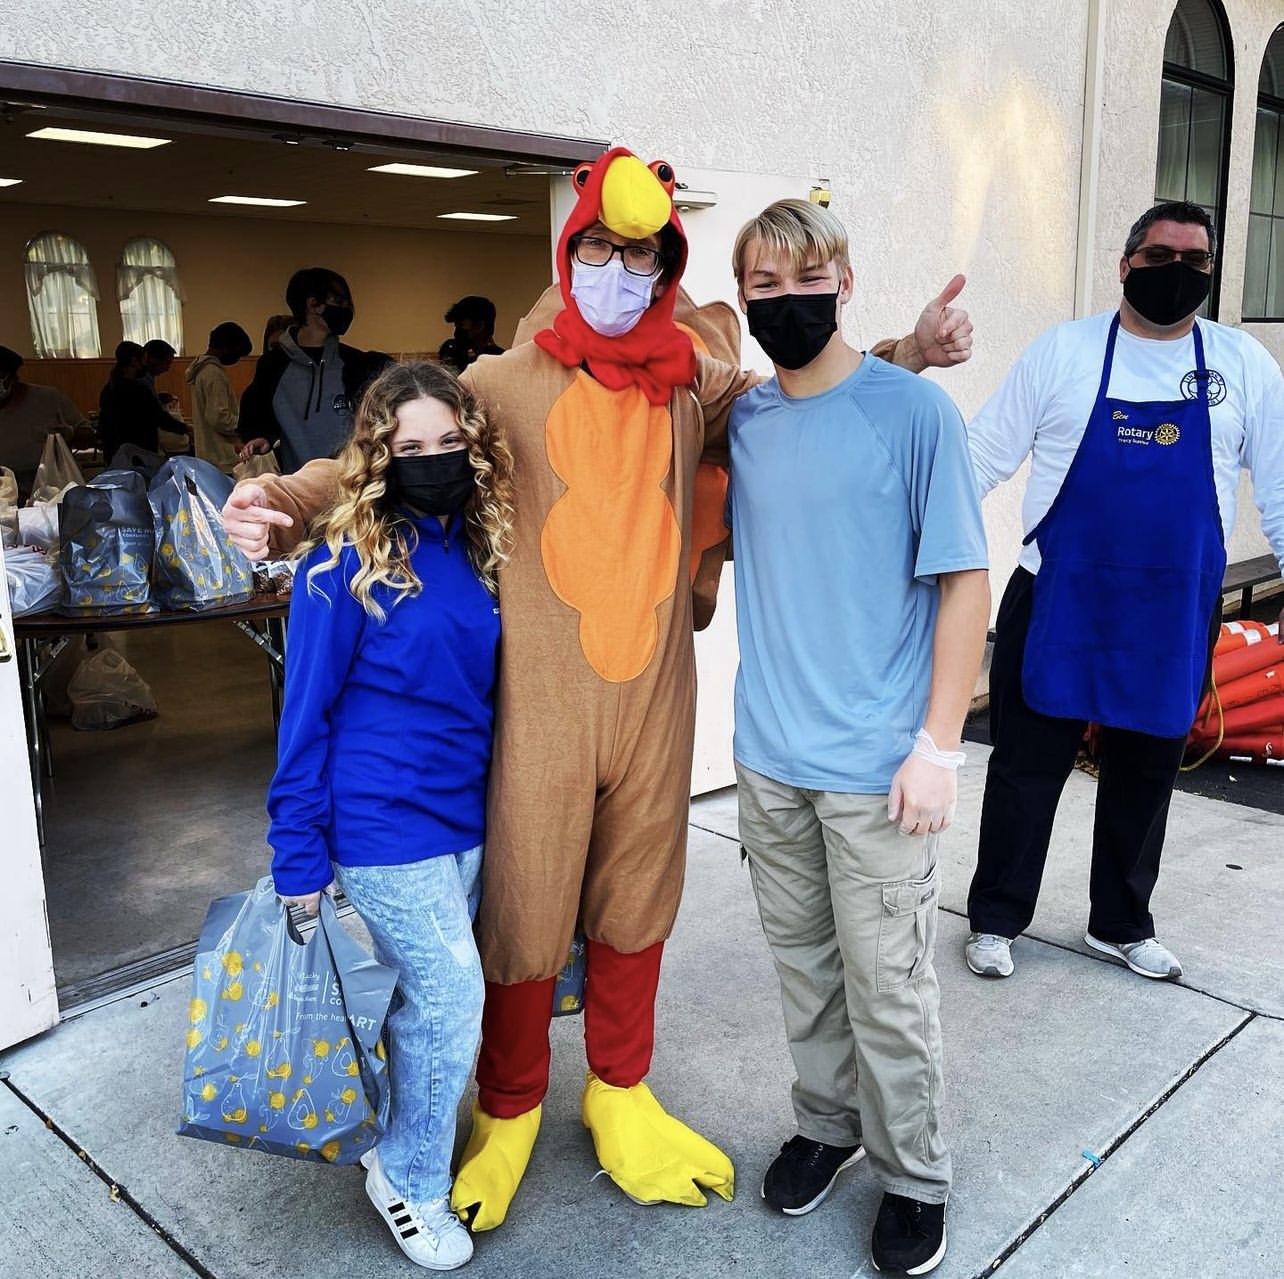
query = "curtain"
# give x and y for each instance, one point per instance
(62, 297)
(150, 295)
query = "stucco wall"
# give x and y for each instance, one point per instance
(953, 144)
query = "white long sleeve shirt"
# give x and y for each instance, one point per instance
(1041, 411)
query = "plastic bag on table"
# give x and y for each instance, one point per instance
(259, 464)
(196, 565)
(106, 551)
(38, 522)
(57, 470)
(8, 487)
(35, 584)
(107, 692)
(131, 457)
(283, 1039)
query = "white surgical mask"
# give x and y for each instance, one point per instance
(610, 299)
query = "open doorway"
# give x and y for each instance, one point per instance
(143, 825)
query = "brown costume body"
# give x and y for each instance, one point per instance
(595, 721)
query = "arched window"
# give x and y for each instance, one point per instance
(1194, 115)
(62, 297)
(151, 299)
(1264, 267)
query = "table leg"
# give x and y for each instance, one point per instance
(31, 715)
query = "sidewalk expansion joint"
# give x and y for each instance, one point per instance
(119, 1193)
(1162, 1100)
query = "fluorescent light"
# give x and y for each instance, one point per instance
(261, 201)
(421, 171)
(100, 139)
(9, 182)
(480, 217)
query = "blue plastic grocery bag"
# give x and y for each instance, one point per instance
(196, 566)
(283, 1037)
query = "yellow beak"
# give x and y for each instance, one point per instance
(634, 204)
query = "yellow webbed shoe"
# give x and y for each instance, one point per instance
(651, 1156)
(492, 1167)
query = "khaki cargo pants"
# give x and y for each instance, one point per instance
(848, 905)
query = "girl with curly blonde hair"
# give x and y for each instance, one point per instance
(385, 746)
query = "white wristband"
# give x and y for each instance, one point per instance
(925, 747)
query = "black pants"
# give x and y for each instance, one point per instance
(1032, 757)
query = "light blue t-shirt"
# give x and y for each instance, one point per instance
(844, 507)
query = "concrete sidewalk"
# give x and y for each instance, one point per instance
(1101, 1125)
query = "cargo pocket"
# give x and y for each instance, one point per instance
(907, 930)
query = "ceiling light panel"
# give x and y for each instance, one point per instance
(422, 170)
(9, 182)
(480, 217)
(260, 201)
(132, 140)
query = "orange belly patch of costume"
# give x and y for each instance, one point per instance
(611, 543)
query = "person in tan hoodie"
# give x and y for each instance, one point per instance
(214, 407)
(609, 408)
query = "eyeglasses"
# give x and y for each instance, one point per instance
(1162, 255)
(637, 258)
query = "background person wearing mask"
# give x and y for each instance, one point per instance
(27, 415)
(128, 413)
(158, 359)
(214, 411)
(304, 389)
(474, 321)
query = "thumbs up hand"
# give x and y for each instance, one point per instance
(943, 333)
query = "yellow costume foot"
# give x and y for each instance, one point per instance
(651, 1156)
(492, 1167)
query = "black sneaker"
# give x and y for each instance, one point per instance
(909, 1236)
(804, 1173)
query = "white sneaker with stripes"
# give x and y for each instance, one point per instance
(428, 1233)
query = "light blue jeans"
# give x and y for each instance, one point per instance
(420, 917)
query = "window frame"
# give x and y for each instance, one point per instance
(175, 287)
(1267, 102)
(1189, 78)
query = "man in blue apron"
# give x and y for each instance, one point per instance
(1137, 423)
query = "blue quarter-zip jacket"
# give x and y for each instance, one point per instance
(385, 736)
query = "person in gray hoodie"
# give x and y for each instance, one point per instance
(305, 389)
(214, 411)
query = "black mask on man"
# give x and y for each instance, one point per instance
(793, 328)
(338, 319)
(1166, 295)
(439, 484)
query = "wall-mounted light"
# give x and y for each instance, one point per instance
(684, 199)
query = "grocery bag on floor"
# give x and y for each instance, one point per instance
(106, 553)
(196, 565)
(283, 1034)
(56, 471)
(107, 692)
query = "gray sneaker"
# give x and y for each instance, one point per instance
(1148, 957)
(989, 955)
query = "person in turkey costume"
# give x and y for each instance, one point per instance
(609, 411)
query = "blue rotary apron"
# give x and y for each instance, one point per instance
(1132, 563)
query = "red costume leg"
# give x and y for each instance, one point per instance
(619, 1012)
(512, 1070)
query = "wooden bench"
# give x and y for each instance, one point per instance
(1247, 574)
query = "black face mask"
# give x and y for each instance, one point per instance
(1167, 294)
(438, 484)
(338, 319)
(793, 328)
